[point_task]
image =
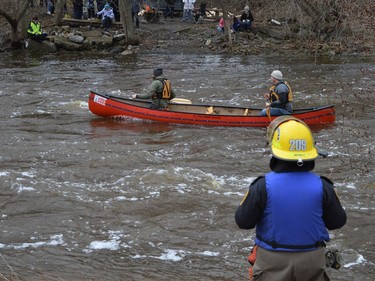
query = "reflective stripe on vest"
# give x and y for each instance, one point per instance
(35, 28)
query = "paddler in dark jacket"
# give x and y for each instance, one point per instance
(291, 208)
(160, 91)
(280, 96)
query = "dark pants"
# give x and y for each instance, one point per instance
(39, 37)
(91, 13)
(136, 18)
(77, 10)
(107, 22)
(169, 11)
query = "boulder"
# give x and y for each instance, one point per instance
(119, 37)
(43, 46)
(98, 42)
(66, 44)
(76, 39)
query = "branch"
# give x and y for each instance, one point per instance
(23, 9)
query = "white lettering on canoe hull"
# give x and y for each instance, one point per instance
(100, 100)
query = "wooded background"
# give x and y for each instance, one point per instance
(319, 20)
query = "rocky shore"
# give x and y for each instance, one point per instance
(177, 36)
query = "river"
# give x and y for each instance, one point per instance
(87, 198)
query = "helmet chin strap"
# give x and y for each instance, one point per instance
(300, 162)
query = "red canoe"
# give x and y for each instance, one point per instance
(199, 114)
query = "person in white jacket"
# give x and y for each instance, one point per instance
(188, 10)
(107, 16)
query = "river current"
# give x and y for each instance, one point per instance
(88, 198)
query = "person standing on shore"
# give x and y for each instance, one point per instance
(136, 7)
(90, 5)
(188, 10)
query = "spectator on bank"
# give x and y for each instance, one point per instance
(90, 5)
(136, 7)
(220, 26)
(77, 9)
(246, 19)
(34, 30)
(100, 4)
(188, 10)
(115, 8)
(107, 16)
(169, 9)
(50, 7)
(237, 25)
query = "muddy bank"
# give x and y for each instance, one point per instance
(265, 39)
(177, 36)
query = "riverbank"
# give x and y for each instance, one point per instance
(174, 35)
(264, 39)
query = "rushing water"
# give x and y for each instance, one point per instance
(87, 198)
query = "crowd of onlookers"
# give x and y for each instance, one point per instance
(108, 11)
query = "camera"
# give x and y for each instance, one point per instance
(333, 259)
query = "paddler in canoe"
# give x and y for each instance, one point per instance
(279, 98)
(291, 208)
(160, 91)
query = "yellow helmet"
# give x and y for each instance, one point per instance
(291, 139)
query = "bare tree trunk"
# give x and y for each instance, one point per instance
(59, 12)
(125, 7)
(23, 25)
(14, 21)
(227, 28)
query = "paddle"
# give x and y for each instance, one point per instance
(180, 100)
(268, 111)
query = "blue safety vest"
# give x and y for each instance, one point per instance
(292, 219)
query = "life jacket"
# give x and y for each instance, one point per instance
(34, 28)
(292, 220)
(165, 93)
(274, 96)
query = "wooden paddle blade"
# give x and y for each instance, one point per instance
(180, 100)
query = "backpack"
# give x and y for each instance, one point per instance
(166, 94)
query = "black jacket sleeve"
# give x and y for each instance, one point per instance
(334, 215)
(252, 205)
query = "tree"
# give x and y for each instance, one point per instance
(14, 19)
(59, 12)
(125, 7)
